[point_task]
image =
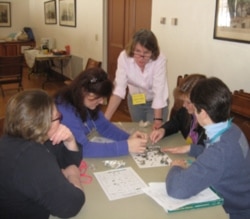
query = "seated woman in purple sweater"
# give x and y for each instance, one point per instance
(80, 103)
(224, 162)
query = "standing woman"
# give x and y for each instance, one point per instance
(141, 68)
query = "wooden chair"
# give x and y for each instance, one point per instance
(242, 93)
(1, 126)
(177, 102)
(11, 71)
(91, 63)
(240, 111)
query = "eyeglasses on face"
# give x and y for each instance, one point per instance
(144, 55)
(59, 118)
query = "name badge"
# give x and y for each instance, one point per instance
(138, 99)
(189, 140)
(92, 134)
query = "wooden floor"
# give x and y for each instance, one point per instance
(35, 82)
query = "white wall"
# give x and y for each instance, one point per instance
(19, 17)
(85, 39)
(190, 46)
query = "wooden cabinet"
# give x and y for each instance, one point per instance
(14, 48)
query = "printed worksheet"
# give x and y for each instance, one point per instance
(205, 198)
(153, 157)
(120, 183)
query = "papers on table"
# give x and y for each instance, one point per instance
(205, 198)
(125, 182)
(120, 183)
(153, 157)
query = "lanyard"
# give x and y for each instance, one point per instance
(93, 124)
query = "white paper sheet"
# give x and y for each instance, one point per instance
(157, 191)
(120, 183)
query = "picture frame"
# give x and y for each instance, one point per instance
(67, 13)
(232, 21)
(50, 15)
(5, 14)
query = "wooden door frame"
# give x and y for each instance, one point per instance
(105, 36)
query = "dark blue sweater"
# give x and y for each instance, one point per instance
(224, 165)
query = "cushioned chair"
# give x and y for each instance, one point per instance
(11, 71)
(91, 63)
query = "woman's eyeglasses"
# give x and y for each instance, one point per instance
(146, 55)
(59, 118)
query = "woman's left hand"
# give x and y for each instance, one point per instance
(63, 133)
(157, 124)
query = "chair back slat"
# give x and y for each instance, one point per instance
(1, 126)
(240, 111)
(91, 63)
(11, 71)
(177, 102)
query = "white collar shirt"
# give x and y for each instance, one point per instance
(152, 81)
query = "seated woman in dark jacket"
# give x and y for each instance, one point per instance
(184, 119)
(39, 160)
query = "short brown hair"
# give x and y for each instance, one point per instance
(213, 96)
(147, 39)
(29, 115)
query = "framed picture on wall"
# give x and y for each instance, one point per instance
(5, 14)
(67, 13)
(232, 20)
(50, 12)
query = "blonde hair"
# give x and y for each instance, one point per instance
(29, 115)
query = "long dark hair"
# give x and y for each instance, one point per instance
(93, 80)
